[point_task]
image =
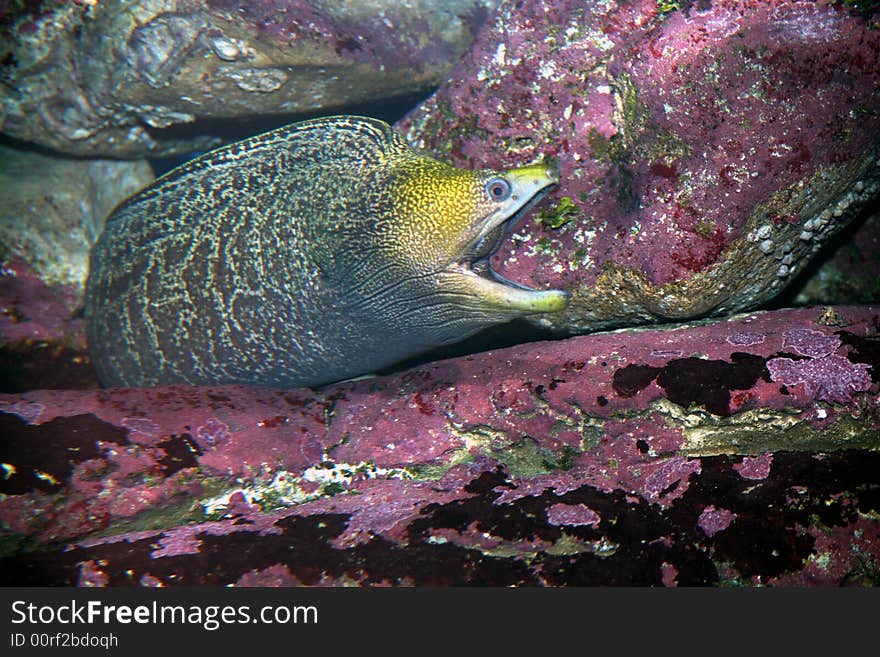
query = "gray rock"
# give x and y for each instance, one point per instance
(52, 209)
(100, 78)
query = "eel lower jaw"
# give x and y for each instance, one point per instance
(498, 293)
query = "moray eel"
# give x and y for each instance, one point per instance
(316, 252)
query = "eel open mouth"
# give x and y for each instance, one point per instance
(486, 245)
(530, 184)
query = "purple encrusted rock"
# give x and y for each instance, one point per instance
(706, 153)
(572, 514)
(32, 310)
(713, 520)
(830, 378)
(42, 340)
(755, 467)
(808, 342)
(670, 456)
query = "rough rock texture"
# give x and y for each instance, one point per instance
(743, 451)
(42, 338)
(53, 209)
(102, 78)
(851, 273)
(706, 152)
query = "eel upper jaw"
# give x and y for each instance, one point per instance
(494, 290)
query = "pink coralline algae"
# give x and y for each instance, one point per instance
(142, 429)
(42, 341)
(213, 433)
(664, 480)
(755, 467)
(181, 542)
(843, 553)
(713, 520)
(810, 343)
(533, 465)
(239, 506)
(277, 575)
(745, 339)
(28, 411)
(830, 378)
(670, 574)
(569, 514)
(31, 310)
(705, 153)
(91, 575)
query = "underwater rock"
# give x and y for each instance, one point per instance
(851, 274)
(732, 452)
(32, 310)
(707, 151)
(53, 209)
(50, 214)
(42, 338)
(107, 78)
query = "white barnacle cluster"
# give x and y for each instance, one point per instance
(285, 488)
(230, 50)
(786, 259)
(820, 226)
(330, 472)
(815, 230)
(282, 491)
(762, 235)
(816, 224)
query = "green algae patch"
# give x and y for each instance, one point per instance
(757, 431)
(668, 6)
(525, 458)
(565, 212)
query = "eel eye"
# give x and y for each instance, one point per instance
(498, 189)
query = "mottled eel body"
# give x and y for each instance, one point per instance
(313, 253)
